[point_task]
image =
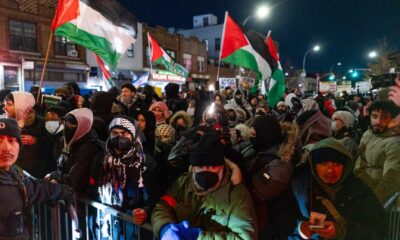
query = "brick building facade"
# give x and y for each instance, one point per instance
(25, 28)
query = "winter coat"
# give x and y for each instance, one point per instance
(347, 138)
(231, 104)
(378, 164)
(31, 156)
(126, 109)
(74, 163)
(226, 213)
(364, 216)
(130, 183)
(17, 195)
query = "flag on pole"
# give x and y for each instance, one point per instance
(277, 84)
(104, 27)
(158, 55)
(241, 49)
(106, 74)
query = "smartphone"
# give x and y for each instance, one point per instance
(316, 226)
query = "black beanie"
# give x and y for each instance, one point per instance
(328, 155)
(268, 130)
(9, 127)
(60, 110)
(207, 151)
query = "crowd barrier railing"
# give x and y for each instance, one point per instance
(54, 223)
(393, 215)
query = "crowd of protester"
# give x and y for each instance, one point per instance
(217, 165)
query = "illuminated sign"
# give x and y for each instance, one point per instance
(168, 78)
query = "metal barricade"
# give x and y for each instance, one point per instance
(393, 215)
(53, 223)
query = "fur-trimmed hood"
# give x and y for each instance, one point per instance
(185, 116)
(287, 149)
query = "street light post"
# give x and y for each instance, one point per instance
(261, 12)
(316, 48)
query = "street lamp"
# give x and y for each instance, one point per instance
(316, 48)
(372, 54)
(339, 64)
(261, 12)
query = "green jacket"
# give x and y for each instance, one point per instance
(227, 213)
(378, 164)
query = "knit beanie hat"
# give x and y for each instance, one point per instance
(207, 151)
(328, 155)
(9, 127)
(60, 110)
(345, 116)
(166, 130)
(268, 130)
(125, 123)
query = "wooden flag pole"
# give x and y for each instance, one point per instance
(44, 66)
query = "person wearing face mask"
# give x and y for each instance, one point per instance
(238, 101)
(182, 122)
(343, 130)
(79, 148)
(128, 176)
(203, 203)
(268, 164)
(53, 144)
(161, 111)
(165, 140)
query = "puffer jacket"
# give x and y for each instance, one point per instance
(378, 164)
(226, 213)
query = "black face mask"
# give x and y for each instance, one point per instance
(238, 100)
(69, 133)
(206, 180)
(121, 143)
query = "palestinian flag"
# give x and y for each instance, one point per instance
(240, 49)
(106, 74)
(277, 84)
(158, 55)
(103, 26)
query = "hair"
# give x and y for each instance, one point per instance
(9, 97)
(129, 86)
(385, 106)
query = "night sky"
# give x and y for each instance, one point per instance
(346, 29)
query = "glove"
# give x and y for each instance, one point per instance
(53, 176)
(187, 232)
(170, 232)
(67, 195)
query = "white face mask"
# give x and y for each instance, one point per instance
(333, 126)
(54, 127)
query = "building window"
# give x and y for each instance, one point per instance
(217, 44)
(200, 64)
(22, 36)
(171, 53)
(205, 21)
(65, 47)
(130, 52)
(187, 61)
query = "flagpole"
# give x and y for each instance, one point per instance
(220, 51)
(151, 63)
(44, 66)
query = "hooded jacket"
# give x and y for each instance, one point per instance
(364, 216)
(226, 213)
(232, 104)
(31, 156)
(76, 159)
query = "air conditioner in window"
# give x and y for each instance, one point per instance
(73, 53)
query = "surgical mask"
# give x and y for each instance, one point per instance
(121, 143)
(333, 126)
(206, 180)
(54, 127)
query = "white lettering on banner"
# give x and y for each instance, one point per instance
(168, 78)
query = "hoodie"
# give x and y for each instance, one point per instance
(23, 104)
(84, 117)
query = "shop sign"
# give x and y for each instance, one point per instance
(168, 78)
